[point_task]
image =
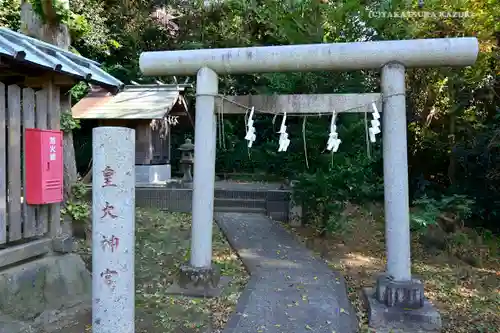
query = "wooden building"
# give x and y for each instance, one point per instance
(34, 80)
(151, 110)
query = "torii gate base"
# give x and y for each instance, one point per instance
(398, 300)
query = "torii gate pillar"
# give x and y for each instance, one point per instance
(395, 158)
(207, 84)
(397, 298)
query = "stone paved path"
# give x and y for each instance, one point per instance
(290, 289)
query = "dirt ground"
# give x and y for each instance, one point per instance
(467, 297)
(162, 245)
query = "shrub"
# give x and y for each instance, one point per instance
(323, 194)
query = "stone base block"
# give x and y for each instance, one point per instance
(38, 293)
(196, 277)
(404, 294)
(382, 318)
(192, 291)
(195, 281)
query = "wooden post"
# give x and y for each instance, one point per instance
(14, 162)
(29, 213)
(54, 122)
(41, 105)
(3, 167)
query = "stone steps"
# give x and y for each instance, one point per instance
(240, 194)
(240, 210)
(239, 202)
(240, 205)
(236, 199)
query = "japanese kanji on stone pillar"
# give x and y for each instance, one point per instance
(113, 229)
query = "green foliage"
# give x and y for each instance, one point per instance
(85, 20)
(322, 194)
(79, 191)
(429, 210)
(78, 26)
(68, 123)
(95, 38)
(451, 137)
(479, 172)
(77, 211)
(76, 23)
(78, 91)
(9, 14)
(77, 208)
(62, 13)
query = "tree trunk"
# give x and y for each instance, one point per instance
(50, 32)
(57, 34)
(70, 173)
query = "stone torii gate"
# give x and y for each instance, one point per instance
(396, 290)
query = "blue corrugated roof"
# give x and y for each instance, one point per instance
(23, 48)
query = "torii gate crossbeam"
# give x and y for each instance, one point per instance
(313, 57)
(397, 290)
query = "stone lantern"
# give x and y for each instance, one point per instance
(187, 160)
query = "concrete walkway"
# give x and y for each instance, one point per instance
(290, 290)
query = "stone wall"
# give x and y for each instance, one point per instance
(275, 203)
(47, 292)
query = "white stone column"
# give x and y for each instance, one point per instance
(113, 230)
(397, 218)
(205, 140)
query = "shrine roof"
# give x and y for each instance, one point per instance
(21, 50)
(133, 102)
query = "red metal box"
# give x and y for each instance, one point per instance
(43, 166)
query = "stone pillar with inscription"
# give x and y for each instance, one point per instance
(113, 229)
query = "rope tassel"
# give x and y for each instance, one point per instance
(375, 124)
(333, 139)
(250, 135)
(284, 142)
